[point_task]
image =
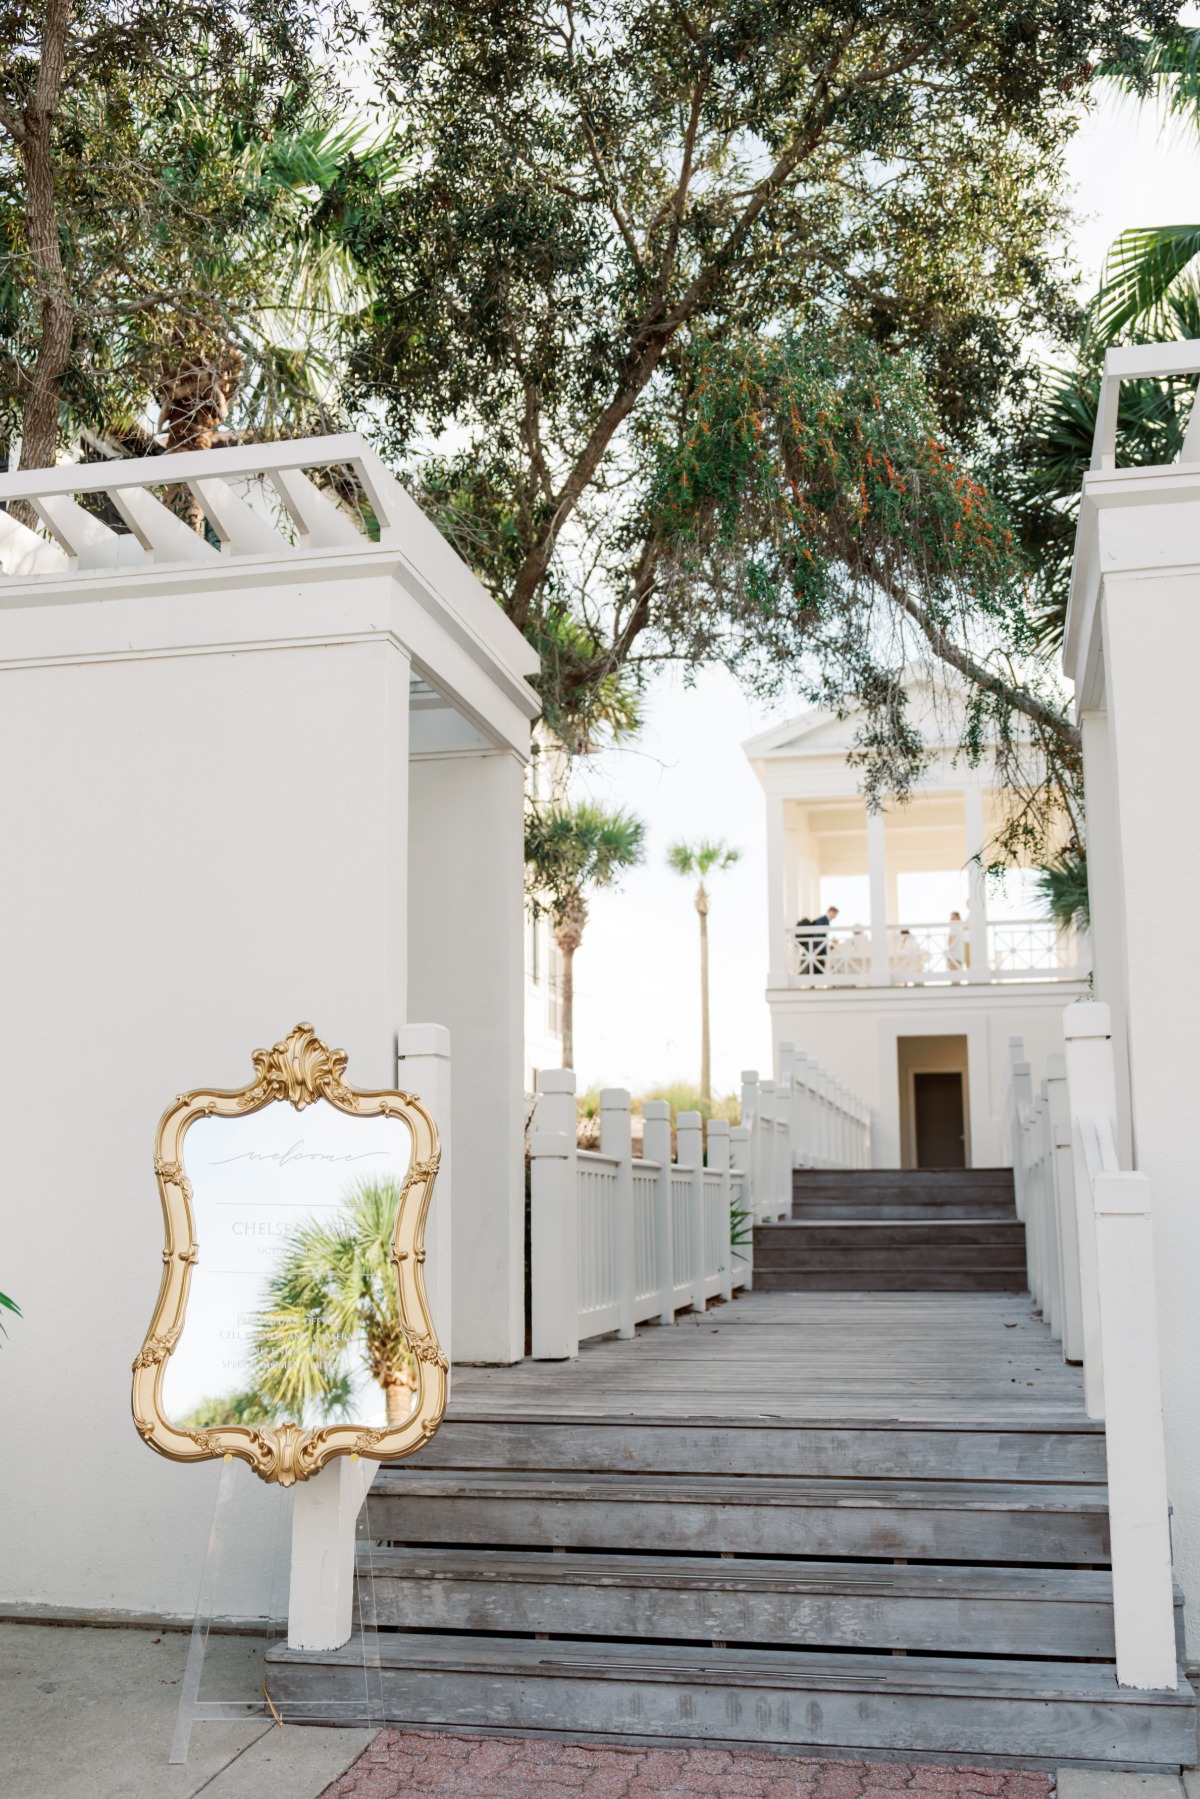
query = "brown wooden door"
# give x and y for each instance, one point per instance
(941, 1128)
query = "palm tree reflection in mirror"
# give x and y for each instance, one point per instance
(333, 1299)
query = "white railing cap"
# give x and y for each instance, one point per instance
(656, 1110)
(614, 1099)
(720, 1126)
(689, 1121)
(556, 1080)
(1087, 1018)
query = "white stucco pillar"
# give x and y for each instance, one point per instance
(777, 919)
(877, 876)
(977, 921)
(466, 903)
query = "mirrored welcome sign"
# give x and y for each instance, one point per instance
(292, 1323)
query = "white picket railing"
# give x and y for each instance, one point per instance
(1090, 1249)
(617, 1239)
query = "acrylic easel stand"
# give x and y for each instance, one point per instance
(321, 1596)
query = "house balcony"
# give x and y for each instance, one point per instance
(934, 955)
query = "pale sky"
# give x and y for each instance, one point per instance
(637, 1011)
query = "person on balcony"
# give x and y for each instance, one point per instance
(812, 941)
(956, 946)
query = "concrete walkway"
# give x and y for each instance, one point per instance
(88, 1713)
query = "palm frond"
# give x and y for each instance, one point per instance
(1140, 270)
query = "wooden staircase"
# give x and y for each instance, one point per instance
(661, 1543)
(949, 1230)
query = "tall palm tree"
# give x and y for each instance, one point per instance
(702, 859)
(569, 849)
(334, 1290)
(1149, 266)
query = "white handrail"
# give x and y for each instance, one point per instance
(1090, 1247)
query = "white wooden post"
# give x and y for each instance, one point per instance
(787, 1072)
(554, 1269)
(718, 1159)
(822, 1088)
(656, 1147)
(321, 1590)
(1143, 1599)
(750, 1118)
(1064, 1193)
(1092, 1088)
(423, 1068)
(1022, 1098)
(689, 1130)
(616, 1140)
(739, 1157)
(801, 1113)
(783, 1146)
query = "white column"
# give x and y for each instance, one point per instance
(977, 922)
(423, 1068)
(689, 1132)
(656, 1147)
(783, 1145)
(616, 1140)
(877, 873)
(466, 900)
(1092, 1093)
(554, 1207)
(777, 919)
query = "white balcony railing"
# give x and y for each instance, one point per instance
(1019, 949)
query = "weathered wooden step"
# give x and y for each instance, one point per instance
(968, 1708)
(928, 1520)
(881, 1280)
(884, 1450)
(861, 1235)
(946, 1609)
(932, 1180)
(836, 1208)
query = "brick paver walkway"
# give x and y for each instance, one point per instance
(428, 1765)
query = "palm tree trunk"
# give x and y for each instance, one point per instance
(568, 1008)
(705, 1037)
(568, 934)
(399, 1403)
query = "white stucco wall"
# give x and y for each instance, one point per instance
(854, 1031)
(199, 851)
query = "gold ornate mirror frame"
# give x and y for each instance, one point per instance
(300, 1069)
